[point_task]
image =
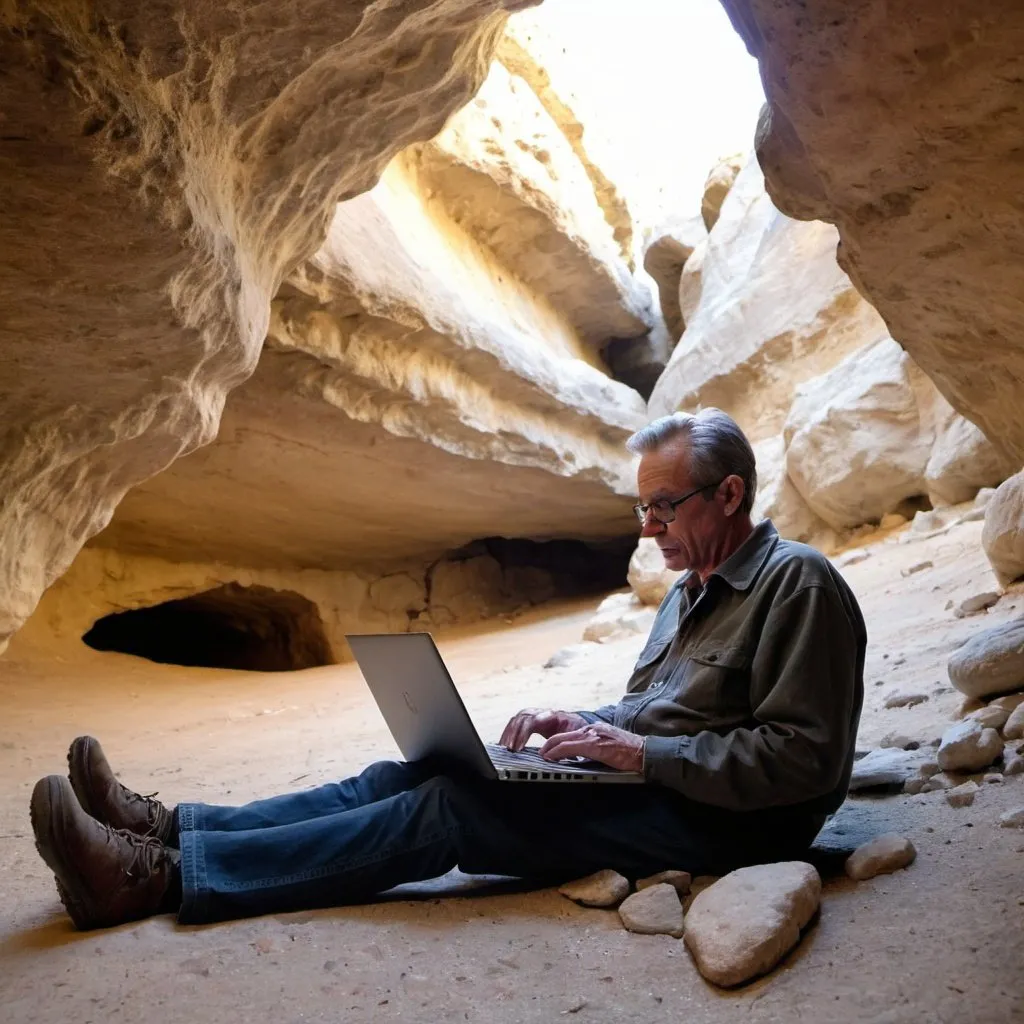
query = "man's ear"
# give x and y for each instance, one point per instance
(733, 489)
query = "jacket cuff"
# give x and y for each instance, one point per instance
(663, 757)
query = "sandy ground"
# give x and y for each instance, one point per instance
(940, 942)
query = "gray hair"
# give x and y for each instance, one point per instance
(715, 445)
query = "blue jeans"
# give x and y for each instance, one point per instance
(396, 822)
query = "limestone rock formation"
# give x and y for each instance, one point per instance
(716, 187)
(903, 130)
(670, 247)
(166, 167)
(991, 662)
(648, 576)
(1003, 534)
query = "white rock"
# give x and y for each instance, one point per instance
(1003, 534)
(569, 655)
(617, 617)
(680, 880)
(883, 854)
(655, 910)
(962, 795)
(719, 181)
(899, 739)
(917, 567)
(976, 603)
(993, 779)
(983, 497)
(1012, 819)
(854, 557)
(647, 574)
(741, 926)
(778, 500)
(1014, 727)
(968, 747)
(605, 888)
(991, 662)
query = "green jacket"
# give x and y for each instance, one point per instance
(749, 689)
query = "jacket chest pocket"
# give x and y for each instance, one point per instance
(718, 678)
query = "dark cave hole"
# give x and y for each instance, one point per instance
(257, 629)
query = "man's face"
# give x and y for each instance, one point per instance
(692, 538)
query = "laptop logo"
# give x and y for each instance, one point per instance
(409, 704)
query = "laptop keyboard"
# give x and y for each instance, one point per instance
(529, 757)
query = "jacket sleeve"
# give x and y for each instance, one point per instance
(806, 691)
(603, 714)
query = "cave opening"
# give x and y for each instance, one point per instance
(254, 628)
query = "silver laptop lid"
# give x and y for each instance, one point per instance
(418, 699)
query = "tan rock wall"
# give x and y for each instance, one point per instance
(172, 164)
(901, 125)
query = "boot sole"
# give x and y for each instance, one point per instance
(48, 829)
(79, 775)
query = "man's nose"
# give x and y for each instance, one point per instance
(651, 527)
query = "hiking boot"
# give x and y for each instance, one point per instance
(104, 877)
(106, 800)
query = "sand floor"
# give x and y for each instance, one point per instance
(940, 942)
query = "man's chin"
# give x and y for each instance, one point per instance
(674, 559)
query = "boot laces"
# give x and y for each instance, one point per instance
(153, 807)
(147, 851)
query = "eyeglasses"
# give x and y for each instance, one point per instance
(664, 511)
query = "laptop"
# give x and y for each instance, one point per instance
(426, 716)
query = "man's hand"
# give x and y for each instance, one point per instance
(536, 720)
(600, 742)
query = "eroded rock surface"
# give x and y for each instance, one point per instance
(1003, 535)
(166, 167)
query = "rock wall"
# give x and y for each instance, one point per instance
(845, 425)
(902, 127)
(164, 169)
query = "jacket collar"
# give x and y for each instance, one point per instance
(744, 565)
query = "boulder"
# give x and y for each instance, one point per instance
(962, 795)
(777, 499)
(679, 880)
(745, 923)
(671, 244)
(1014, 727)
(1002, 536)
(855, 445)
(990, 662)
(605, 888)
(968, 747)
(879, 856)
(691, 282)
(890, 766)
(654, 910)
(719, 180)
(619, 616)
(647, 574)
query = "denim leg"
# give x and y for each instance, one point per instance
(378, 781)
(543, 832)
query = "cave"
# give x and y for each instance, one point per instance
(255, 629)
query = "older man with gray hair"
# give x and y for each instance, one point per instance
(741, 713)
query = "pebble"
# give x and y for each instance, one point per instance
(938, 782)
(655, 910)
(602, 889)
(905, 700)
(993, 779)
(963, 795)
(852, 558)
(968, 747)
(1014, 727)
(568, 655)
(880, 856)
(976, 603)
(901, 740)
(1013, 763)
(919, 567)
(745, 923)
(1012, 819)
(679, 880)
(991, 662)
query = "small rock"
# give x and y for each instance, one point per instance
(939, 782)
(655, 910)
(1012, 819)
(949, 604)
(990, 717)
(962, 796)
(1014, 727)
(900, 740)
(991, 662)
(916, 783)
(917, 567)
(852, 558)
(568, 655)
(892, 521)
(968, 747)
(1013, 763)
(890, 767)
(1009, 701)
(679, 880)
(602, 889)
(883, 854)
(741, 926)
(993, 779)
(905, 700)
(619, 616)
(976, 603)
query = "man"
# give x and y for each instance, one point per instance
(741, 712)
